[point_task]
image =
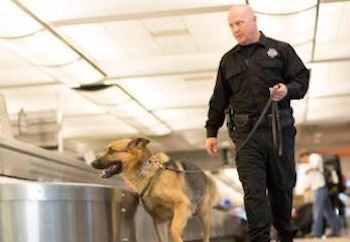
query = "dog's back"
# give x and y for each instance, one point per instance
(200, 187)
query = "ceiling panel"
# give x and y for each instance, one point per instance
(162, 65)
(183, 119)
(328, 110)
(200, 25)
(165, 55)
(96, 40)
(281, 7)
(333, 35)
(95, 126)
(300, 30)
(132, 37)
(59, 97)
(68, 9)
(15, 71)
(168, 92)
(300, 110)
(329, 79)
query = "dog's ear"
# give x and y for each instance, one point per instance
(138, 143)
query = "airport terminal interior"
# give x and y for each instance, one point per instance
(78, 74)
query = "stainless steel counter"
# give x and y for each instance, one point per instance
(65, 212)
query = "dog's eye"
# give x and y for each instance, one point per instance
(111, 151)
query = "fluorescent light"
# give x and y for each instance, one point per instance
(112, 95)
(40, 45)
(158, 130)
(77, 73)
(42, 48)
(129, 109)
(148, 120)
(14, 22)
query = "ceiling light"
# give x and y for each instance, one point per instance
(37, 43)
(14, 23)
(110, 95)
(41, 49)
(75, 74)
(129, 109)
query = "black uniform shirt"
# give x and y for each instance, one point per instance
(245, 75)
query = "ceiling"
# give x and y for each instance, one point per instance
(153, 64)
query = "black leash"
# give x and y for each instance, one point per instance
(276, 127)
(276, 135)
(256, 125)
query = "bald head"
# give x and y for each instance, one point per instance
(242, 21)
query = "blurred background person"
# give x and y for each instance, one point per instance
(322, 207)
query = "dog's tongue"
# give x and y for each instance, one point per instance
(105, 173)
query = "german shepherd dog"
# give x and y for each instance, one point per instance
(171, 191)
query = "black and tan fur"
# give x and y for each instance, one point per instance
(167, 195)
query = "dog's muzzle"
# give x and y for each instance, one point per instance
(108, 170)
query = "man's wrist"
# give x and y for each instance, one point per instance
(212, 133)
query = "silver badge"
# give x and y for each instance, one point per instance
(272, 53)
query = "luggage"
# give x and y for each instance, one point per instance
(333, 174)
(302, 218)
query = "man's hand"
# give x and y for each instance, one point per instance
(211, 146)
(278, 92)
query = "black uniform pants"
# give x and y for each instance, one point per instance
(268, 181)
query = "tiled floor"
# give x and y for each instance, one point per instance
(344, 238)
(328, 240)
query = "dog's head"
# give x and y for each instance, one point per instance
(121, 155)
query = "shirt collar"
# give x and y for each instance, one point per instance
(262, 41)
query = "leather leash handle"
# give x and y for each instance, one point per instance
(276, 129)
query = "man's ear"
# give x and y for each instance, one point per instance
(138, 143)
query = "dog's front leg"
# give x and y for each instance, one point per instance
(162, 229)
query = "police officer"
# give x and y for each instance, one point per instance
(257, 69)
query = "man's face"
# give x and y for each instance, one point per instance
(243, 26)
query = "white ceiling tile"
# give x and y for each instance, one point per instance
(328, 110)
(95, 40)
(281, 6)
(329, 79)
(156, 25)
(164, 92)
(185, 118)
(333, 35)
(69, 9)
(177, 44)
(304, 51)
(299, 30)
(299, 110)
(132, 37)
(95, 126)
(57, 97)
(159, 65)
(201, 24)
(15, 71)
(14, 22)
